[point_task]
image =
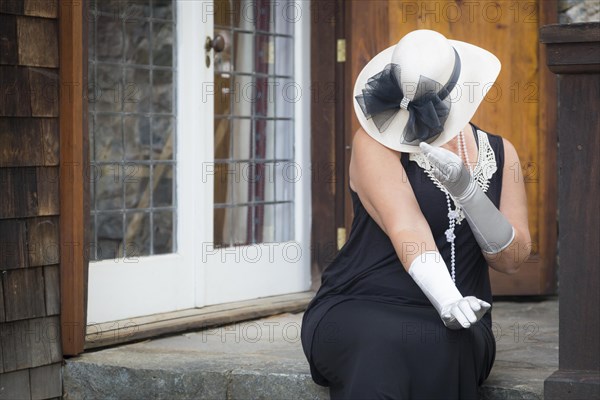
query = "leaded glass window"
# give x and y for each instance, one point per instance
(255, 93)
(132, 127)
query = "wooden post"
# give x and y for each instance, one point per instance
(574, 54)
(73, 168)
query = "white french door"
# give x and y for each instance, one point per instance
(218, 208)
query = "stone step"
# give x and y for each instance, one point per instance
(263, 359)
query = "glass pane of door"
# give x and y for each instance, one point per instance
(254, 130)
(132, 119)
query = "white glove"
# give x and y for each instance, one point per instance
(490, 227)
(429, 271)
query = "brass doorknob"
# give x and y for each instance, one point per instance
(217, 44)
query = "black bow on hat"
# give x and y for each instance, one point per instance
(382, 98)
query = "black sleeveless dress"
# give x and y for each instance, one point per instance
(370, 332)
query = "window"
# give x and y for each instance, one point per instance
(132, 117)
(254, 123)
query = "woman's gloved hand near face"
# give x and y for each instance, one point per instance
(490, 227)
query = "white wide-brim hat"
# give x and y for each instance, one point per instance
(426, 53)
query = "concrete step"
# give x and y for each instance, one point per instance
(263, 359)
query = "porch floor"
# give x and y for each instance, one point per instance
(263, 359)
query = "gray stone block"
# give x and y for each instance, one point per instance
(263, 359)
(107, 382)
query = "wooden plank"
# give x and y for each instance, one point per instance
(579, 180)
(13, 251)
(368, 32)
(578, 127)
(41, 8)
(48, 190)
(24, 293)
(46, 381)
(44, 340)
(11, 7)
(551, 32)
(290, 298)
(73, 131)
(323, 150)
(548, 160)
(15, 385)
(14, 86)
(2, 313)
(44, 92)
(37, 40)
(28, 142)
(574, 58)
(19, 141)
(15, 345)
(30, 343)
(8, 39)
(50, 141)
(1, 354)
(133, 329)
(22, 184)
(43, 241)
(52, 289)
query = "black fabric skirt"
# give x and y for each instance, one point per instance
(374, 350)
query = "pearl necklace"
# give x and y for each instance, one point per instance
(453, 214)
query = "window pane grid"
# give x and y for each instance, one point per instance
(134, 156)
(251, 205)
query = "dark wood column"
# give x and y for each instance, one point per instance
(327, 132)
(574, 55)
(74, 187)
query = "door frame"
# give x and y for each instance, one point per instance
(74, 187)
(330, 207)
(75, 199)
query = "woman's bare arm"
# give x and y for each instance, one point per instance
(513, 205)
(379, 178)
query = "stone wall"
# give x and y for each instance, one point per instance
(570, 11)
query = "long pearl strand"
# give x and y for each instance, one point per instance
(453, 214)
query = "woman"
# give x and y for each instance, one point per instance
(404, 310)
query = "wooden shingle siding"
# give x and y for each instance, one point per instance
(45, 381)
(24, 293)
(2, 316)
(13, 252)
(52, 286)
(47, 189)
(12, 7)
(41, 8)
(20, 184)
(14, 86)
(42, 243)
(37, 42)
(8, 47)
(29, 142)
(43, 83)
(30, 341)
(15, 385)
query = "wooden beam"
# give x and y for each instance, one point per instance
(548, 156)
(73, 160)
(152, 326)
(323, 131)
